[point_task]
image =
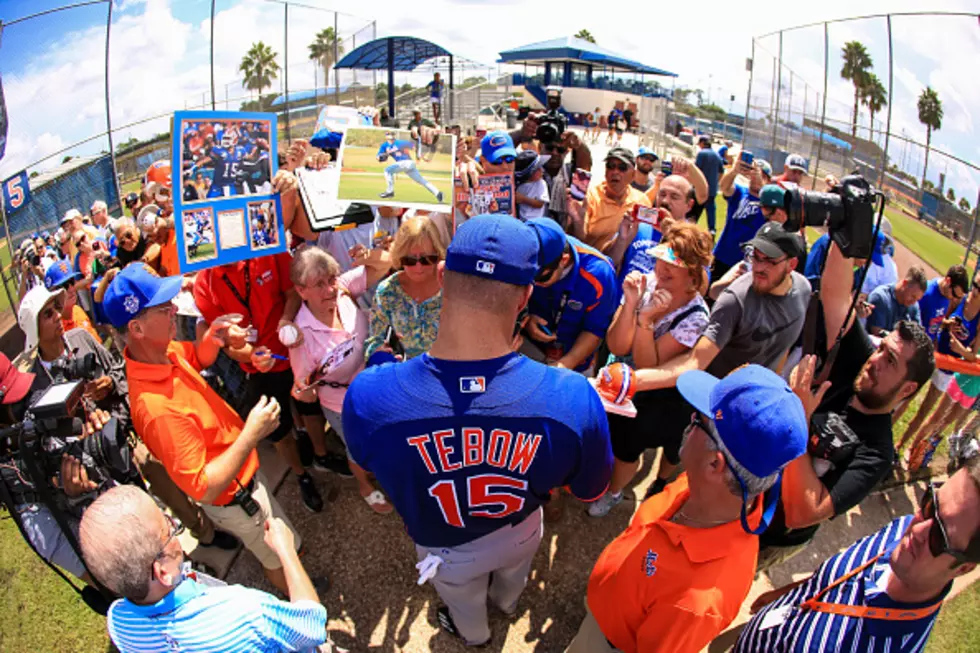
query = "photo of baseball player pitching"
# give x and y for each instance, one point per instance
(379, 166)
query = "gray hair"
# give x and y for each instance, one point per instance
(118, 544)
(754, 485)
(124, 222)
(309, 263)
(98, 205)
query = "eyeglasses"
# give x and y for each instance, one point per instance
(699, 421)
(409, 261)
(176, 528)
(760, 258)
(938, 537)
(612, 165)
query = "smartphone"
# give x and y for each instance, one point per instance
(392, 342)
(746, 157)
(544, 329)
(648, 214)
(580, 183)
(667, 167)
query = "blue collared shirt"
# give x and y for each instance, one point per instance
(228, 619)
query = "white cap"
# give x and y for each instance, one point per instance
(71, 214)
(30, 309)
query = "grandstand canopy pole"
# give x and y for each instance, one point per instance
(823, 111)
(336, 58)
(452, 103)
(108, 115)
(391, 79)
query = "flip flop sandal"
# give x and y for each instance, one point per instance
(378, 503)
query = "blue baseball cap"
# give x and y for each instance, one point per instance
(882, 242)
(59, 274)
(759, 420)
(135, 289)
(551, 240)
(495, 145)
(646, 151)
(495, 247)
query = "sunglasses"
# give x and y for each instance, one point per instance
(612, 165)
(938, 537)
(176, 528)
(409, 261)
(507, 158)
(545, 273)
(79, 241)
(551, 147)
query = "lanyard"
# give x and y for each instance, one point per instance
(561, 309)
(864, 612)
(248, 289)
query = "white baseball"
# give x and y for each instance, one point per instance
(288, 334)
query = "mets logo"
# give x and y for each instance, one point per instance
(472, 384)
(486, 267)
(131, 304)
(497, 141)
(648, 563)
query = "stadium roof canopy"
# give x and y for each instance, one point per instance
(576, 50)
(406, 54)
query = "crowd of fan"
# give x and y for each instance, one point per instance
(666, 299)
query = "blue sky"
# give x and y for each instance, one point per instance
(53, 67)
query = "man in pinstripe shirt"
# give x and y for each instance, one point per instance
(884, 592)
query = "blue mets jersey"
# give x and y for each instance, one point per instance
(465, 447)
(396, 150)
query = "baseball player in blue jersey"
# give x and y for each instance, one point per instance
(401, 152)
(469, 439)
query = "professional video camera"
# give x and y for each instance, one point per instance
(848, 212)
(552, 124)
(50, 429)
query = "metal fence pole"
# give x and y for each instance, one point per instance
(211, 47)
(285, 61)
(888, 120)
(823, 112)
(336, 43)
(748, 95)
(108, 114)
(374, 73)
(778, 74)
(973, 231)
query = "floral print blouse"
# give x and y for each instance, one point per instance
(415, 324)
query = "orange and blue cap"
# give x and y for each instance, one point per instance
(496, 145)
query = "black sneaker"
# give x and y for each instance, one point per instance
(439, 197)
(222, 540)
(447, 624)
(311, 497)
(657, 487)
(385, 195)
(333, 463)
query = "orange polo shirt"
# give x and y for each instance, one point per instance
(183, 421)
(169, 262)
(79, 320)
(661, 586)
(604, 215)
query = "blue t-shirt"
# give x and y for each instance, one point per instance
(711, 164)
(464, 448)
(887, 309)
(743, 221)
(637, 257)
(435, 88)
(397, 150)
(965, 335)
(816, 257)
(585, 300)
(723, 152)
(932, 309)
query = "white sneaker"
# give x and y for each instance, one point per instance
(604, 504)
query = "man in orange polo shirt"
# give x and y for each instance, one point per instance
(207, 450)
(260, 290)
(677, 576)
(597, 222)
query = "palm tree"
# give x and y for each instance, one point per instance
(857, 64)
(321, 51)
(930, 115)
(875, 98)
(259, 68)
(951, 194)
(585, 35)
(964, 205)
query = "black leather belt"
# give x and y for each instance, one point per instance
(235, 501)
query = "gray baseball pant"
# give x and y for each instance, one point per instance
(463, 578)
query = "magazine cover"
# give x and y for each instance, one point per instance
(494, 195)
(225, 209)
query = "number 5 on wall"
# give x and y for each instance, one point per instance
(482, 502)
(16, 192)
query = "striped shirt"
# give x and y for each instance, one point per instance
(812, 631)
(227, 619)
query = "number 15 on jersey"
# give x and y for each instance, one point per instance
(487, 495)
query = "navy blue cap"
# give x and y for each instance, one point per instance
(495, 145)
(551, 240)
(59, 274)
(135, 289)
(495, 247)
(757, 416)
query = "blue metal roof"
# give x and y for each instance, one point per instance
(296, 96)
(576, 49)
(410, 52)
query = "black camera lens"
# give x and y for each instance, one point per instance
(847, 212)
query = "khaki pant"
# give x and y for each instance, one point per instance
(251, 530)
(589, 638)
(163, 487)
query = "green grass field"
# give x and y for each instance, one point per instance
(203, 252)
(931, 246)
(362, 179)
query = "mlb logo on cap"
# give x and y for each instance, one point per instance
(486, 267)
(472, 384)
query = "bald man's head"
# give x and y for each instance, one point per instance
(122, 534)
(676, 195)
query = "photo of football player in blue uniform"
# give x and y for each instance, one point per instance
(233, 154)
(401, 153)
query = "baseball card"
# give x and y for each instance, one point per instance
(224, 163)
(495, 194)
(379, 167)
